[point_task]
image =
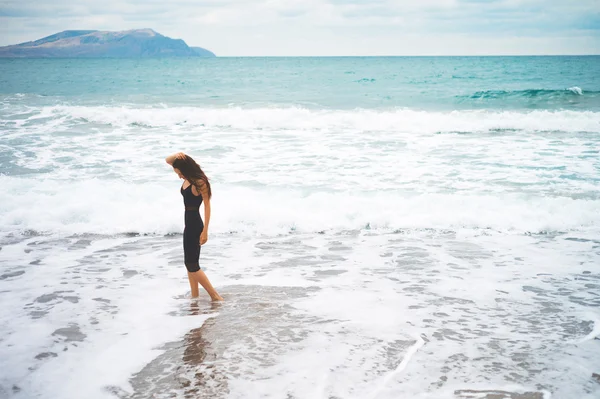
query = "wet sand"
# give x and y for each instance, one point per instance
(349, 315)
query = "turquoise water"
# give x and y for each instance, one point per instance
(381, 228)
(432, 83)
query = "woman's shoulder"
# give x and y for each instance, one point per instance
(200, 188)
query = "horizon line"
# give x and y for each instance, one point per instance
(414, 55)
(325, 56)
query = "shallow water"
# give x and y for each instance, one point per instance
(350, 314)
(441, 243)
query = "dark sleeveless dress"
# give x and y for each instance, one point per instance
(193, 227)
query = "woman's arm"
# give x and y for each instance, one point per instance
(171, 158)
(206, 201)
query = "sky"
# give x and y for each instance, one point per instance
(327, 27)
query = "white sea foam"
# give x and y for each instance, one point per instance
(307, 119)
(282, 169)
(425, 278)
(576, 90)
(99, 207)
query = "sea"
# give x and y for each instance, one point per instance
(381, 227)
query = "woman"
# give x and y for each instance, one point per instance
(195, 188)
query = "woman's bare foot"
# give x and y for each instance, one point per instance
(216, 297)
(201, 278)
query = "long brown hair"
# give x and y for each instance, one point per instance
(192, 172)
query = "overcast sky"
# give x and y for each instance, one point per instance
(327, 27)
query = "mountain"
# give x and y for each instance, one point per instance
(98, 44)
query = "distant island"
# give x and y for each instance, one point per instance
(136, 43)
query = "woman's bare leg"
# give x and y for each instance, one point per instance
(205, 283)
(193, 285)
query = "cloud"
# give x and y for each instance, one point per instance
(334, 27)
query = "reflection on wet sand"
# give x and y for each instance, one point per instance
(198, 365)
(245, 333)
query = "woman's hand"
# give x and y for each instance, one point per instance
(203, 237)
(171, 158)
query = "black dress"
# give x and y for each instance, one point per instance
(193, 228)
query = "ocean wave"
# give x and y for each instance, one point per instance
(571, 92)
(115, 207)
(301, 119)
(573, 98)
